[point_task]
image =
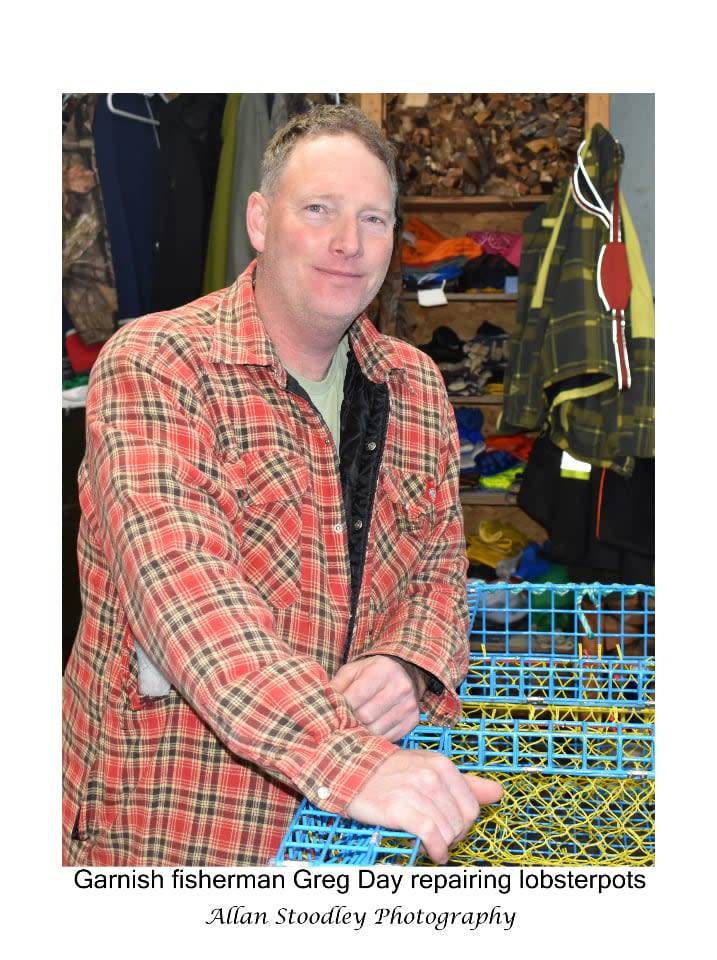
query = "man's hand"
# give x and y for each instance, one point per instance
(382, 694)
(424, 793)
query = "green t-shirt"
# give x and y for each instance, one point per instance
(327, 394)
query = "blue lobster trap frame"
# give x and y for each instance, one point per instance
(317, 838)
(561, 620)
(555, 707)
(561, 645)
(559, 682)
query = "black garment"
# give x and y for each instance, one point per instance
(445, 346)
(481, 571)
(73, 449)
(488, 329)
(488, 270)
(190, 145)
(603, 527)
(625, 507)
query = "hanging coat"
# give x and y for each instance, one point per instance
(563, 374)
(215, 266)
(89, 290)
(190, 146)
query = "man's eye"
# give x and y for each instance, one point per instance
(314, 208)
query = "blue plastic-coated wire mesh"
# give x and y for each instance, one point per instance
(515, 745)
(567, 619)
(560, 681)
(318, 837)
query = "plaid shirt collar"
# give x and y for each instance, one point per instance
(240, 337)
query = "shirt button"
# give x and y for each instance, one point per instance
(371, 445)
(358, 524)
(323, 793)
(338, 527)
(328, 441)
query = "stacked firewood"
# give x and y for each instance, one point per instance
(500, 144)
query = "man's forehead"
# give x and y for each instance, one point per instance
(309, 152)
(322, 143)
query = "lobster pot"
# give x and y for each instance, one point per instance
(558, 704)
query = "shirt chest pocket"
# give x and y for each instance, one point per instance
(270, 488)
(405, 513)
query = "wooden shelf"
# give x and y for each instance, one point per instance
(488, 498)
(474, 297)
(478, 400)
(477, 204)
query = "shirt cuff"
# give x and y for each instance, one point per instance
(349, 759)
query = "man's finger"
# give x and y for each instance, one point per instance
(485, 791)
(344, 677)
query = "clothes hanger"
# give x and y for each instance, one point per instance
(596, 205)
(134, 116)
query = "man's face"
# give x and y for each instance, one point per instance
(325, 236)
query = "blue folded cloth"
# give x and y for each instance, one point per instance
(470, 424)
(491, 462)
(532, 563)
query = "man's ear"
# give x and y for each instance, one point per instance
(257, 212)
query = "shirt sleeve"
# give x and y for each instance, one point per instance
(162, 511)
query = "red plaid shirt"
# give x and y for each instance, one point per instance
(213, 532)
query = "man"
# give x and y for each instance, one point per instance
(271, 549)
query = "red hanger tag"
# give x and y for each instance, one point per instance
(614, 282)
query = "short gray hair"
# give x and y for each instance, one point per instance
(331, 119)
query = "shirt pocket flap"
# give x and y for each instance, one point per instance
(270, 476)
(413, 494)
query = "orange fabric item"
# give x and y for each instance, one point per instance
(518, 444)
(431, 247)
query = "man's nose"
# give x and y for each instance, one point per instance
(347, 236)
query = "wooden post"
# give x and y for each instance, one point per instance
(597, 110)
(372, 106)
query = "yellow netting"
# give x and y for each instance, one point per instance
(597, 713)
(566, 821)
(556, 819)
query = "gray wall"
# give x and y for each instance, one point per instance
(632, 122)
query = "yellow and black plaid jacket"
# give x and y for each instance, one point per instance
(561, 375)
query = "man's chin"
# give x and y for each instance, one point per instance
(342, 313)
